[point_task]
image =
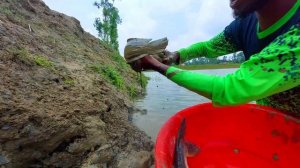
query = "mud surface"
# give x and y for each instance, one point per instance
(55, 111)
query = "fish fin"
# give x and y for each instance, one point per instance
(181, 130)
(180, 149)
(191, 149)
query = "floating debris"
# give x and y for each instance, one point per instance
(275, 157)
(236, 151)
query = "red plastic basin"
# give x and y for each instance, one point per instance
(248, 136)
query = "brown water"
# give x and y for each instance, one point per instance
(164, 98)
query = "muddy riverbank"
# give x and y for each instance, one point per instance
(59, 104)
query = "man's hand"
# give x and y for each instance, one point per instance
(149, 63)
(158, 63)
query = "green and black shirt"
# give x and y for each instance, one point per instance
(271, 73)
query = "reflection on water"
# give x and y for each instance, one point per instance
(164, 98)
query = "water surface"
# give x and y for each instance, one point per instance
(164, 98)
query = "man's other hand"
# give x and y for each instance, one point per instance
(171, 58)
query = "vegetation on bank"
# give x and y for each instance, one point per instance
(62, 111)
(114, 72)
(110, 74)
(43, 61)
(30, 59)
(113, 75)
(107, 27)
(70, 82)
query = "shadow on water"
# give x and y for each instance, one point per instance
(164, 98)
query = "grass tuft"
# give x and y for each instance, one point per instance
(111, 74)
(143, 80)
(23, 56)
(43, 62)
(70, 82)
(6, 11)
(132, 91)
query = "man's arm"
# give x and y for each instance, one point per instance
(217, 46)
(229, 41)
(273, 70)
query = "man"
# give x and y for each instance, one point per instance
(268, 32)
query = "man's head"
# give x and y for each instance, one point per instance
(242, 8)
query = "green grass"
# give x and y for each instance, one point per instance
(23, 56)
(29, 59)
(96, 68)
(120, 61)
(70, 82)
(12, 13)
(111, 74)
(6, 11)
(43, 62)
(143, 80)
(132, 91)
(114, 76)
(19, 18)
(209, 66)
(105, 45)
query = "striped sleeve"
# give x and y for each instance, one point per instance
(275, 69)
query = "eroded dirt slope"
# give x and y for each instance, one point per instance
(58, 105)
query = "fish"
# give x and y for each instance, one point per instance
(183, 149)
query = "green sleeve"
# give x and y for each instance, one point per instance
(215, 47)
(275, 69)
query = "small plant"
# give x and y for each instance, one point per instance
(117, 58)
(43, 62)
(23, 56)
(70, 82)
(6, 11)
(19, 17)
(114, 76)
(12, 14)
(96, 68)
(111, 74)
(143, 80)
(132, 91)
